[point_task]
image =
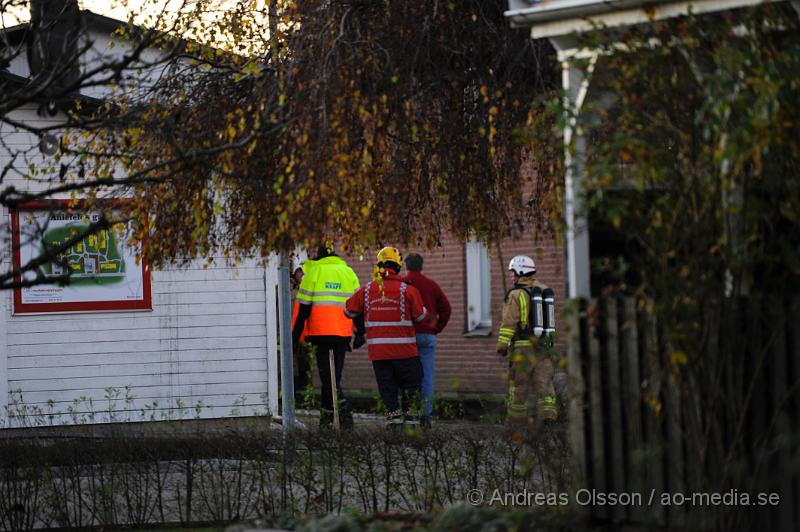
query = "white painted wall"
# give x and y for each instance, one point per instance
(210, 340)
(207, 342)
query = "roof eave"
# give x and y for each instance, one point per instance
(563, 17)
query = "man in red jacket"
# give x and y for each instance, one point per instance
(439, 310)
(390, 308)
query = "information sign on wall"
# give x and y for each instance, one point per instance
(103, 271)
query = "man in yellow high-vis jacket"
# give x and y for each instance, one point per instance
(531, 370)
(325, 288)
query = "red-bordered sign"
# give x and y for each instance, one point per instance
(105, 276)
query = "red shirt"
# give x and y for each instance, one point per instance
(389, 316)
(435, 301)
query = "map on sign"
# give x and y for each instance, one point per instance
(105, 272)
(97, 257)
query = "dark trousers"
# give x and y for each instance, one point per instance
(302, 370)
(323, 365)
(399, 382)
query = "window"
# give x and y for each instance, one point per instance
(479, 289)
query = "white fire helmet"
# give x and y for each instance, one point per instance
(522, 265)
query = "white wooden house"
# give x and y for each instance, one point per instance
(207, 347)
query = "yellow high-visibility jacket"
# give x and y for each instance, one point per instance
(325, 288)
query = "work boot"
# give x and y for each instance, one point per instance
(325, 419)
(394, 420)
(346, 420)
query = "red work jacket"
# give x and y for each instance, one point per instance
(389, 316)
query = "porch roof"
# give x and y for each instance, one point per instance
(557, 18)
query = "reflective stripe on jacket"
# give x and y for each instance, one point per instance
(389, 317)
(325, 288)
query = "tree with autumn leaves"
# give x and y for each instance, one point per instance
(283, 123)
(66, 77)
(356, 122)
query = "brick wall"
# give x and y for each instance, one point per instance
(464, 364)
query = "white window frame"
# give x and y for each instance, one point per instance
(479, 288)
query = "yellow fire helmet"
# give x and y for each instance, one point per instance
(389, 254)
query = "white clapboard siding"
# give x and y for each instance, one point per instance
(118, 336)
(210, 339)
(142, 357)
(182, 310)
(208, 274)
(213, 286)
(207, 298)
(143, 321)
(168, 356)
(132, 369)
(147, 378)
(168, 344)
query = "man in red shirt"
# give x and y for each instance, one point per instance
(390, 308)
(439, 310)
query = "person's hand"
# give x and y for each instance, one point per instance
(502, 350)
(359, 340)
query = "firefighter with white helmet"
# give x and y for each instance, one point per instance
(531, 369)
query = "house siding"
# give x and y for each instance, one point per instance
(206, 342)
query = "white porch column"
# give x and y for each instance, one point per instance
(575, 82)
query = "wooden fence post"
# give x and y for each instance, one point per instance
(632, 404)
(614, 425)
(793, 324)
(597, 418)
(653, 430)
(654, 438)
(781, 428)
(758, 408)
(676, 515)
(576, 405)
